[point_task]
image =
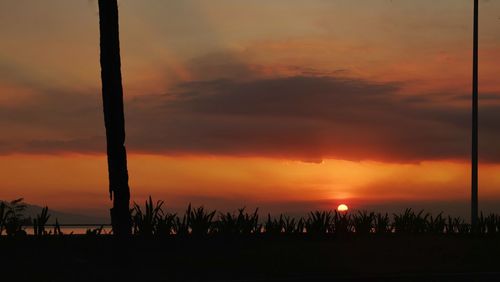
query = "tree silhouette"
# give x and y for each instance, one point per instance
(112, 96)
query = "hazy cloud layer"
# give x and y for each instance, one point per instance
(301, 117)
(306, 118)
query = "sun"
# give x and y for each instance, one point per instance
(342, 208)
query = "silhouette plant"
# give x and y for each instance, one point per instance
(145, 222)
(292, 226)
(241, 224)
(420, 222)
(284, 225)
(151, 220)
(319, 222)
(363, 222)
(410, 222)
(3, 216)
(457, 225)
(492, 223)
(165, 225)
(200, 221)
(436, 225)
(488, 224)
(341, 223)
(40, 222)
(196, 222)
(182, 226)
(57, 229)
(14, 218)
(403, 222)
(95, 232)
(274, 226)
(382, 224)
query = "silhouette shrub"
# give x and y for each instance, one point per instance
(151, 220)
(488, 225)
(145, 223)
(409, 222)
(363, 222)
(319, 222)
(95, 231)
(3, 216)
(57, 229)
(165, 224)
(457, 225)
(200, 221)
(382, 224)
(14, 218)
(273, 226)
(241, 224)
(40, 222)
(436, 225)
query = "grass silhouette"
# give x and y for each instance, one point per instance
(146, 223)
(200, 221)
(319, 222)
(95, 231)
(151, 220)
(363, 222)
(40, 222)
(242, 223)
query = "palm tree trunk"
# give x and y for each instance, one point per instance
(112, 96)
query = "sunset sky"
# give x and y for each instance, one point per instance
(287, 105)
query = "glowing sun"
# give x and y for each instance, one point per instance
(342, 208)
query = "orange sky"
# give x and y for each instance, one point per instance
(287, 105)
(75, 182)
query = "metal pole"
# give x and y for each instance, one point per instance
(474, 157)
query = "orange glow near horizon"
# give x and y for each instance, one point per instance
(79, 182)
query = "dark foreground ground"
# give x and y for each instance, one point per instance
(424, 258)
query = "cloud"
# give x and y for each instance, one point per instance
(303, 117)
(47, 118)
(306, 116)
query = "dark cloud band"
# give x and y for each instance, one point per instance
(302, 117)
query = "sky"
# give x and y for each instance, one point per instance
(287, 105)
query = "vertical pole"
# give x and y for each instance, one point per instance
(114, 120)
(474, 157)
